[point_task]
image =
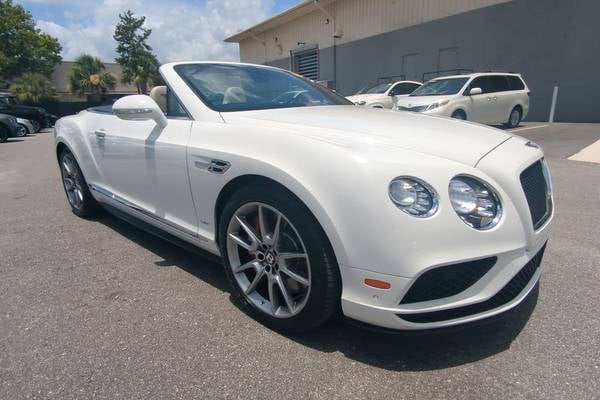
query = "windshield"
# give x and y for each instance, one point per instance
(440, 87)
(229, 87)
(9, 100)
(373, 89)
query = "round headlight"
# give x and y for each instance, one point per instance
(413, 196)
(475, 202)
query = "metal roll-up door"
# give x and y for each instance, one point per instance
(306, 63)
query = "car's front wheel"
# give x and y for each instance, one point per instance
(22, 131)
(459, 114)
(279, 260)
(514, 119)
(78, 194)
(3, 134)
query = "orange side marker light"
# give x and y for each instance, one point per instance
(377, 284)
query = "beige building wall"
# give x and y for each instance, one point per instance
(354, 20)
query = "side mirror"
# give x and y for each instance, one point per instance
(475, 90)
(139, 108)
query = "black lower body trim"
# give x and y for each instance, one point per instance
(508, 293)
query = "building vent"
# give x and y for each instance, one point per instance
(306, 62)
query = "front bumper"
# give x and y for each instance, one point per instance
(422, 245)
(492, 295)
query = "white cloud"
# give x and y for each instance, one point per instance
(180, 30)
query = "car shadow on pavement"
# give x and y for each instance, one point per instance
(196, 262)
(424, 350)
(403, 351)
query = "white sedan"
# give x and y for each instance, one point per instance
(383, 95)
(398, 220)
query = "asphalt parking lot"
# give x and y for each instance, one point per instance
(100, 309)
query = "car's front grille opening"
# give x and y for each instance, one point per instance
(447, 280)
(413, 109)
(536, 191)
(509, 292)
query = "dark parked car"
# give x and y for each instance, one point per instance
(8, 127)
(11, 106)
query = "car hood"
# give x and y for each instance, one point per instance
(28, 109)
(360, 127)
(365, 97)
(414, 101)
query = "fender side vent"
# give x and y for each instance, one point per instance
(218, 166)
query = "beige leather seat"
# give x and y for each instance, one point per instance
(159, 95)
(234, 94)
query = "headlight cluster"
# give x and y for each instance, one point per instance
(413, 196)
(473, 200)
(437, 104)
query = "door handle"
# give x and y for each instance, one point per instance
(100, 133)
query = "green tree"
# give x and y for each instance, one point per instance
(32, 88)
(88, 76)
(140, 65)
(23, 47)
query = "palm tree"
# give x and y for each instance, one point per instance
(32, 88)
(89, 76)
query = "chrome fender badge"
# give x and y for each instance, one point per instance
(532, 144)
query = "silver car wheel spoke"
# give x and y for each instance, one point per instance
(288, 300)
(251, 233)
(240, 242)
(300, 279)
(257, 278)
(274, 238)
(268, 260)
(251, 264)
(273, 296)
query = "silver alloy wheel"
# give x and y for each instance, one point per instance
(515, 116)
(71, 181)
(22, 131)
(268, 260)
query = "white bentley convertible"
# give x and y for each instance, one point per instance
(399, 220)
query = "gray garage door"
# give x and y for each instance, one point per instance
(306, 63)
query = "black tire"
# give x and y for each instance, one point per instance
(22, 131)
(36, 126)
(459, 114)
(323, 299)
(3, 134)
(514, 118)
(88, 206)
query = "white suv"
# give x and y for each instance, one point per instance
(488, 98)
(380, 95)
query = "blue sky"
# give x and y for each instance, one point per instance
(182, 29)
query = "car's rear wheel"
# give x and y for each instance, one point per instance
(78, 194)
(279, 260)
(3, 134)
(514, 119)
(22, 131)
(36, 125)
(459, 114)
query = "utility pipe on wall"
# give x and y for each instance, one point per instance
(553, 106)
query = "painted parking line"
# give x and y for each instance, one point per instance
(590, 153)
(527, 128)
